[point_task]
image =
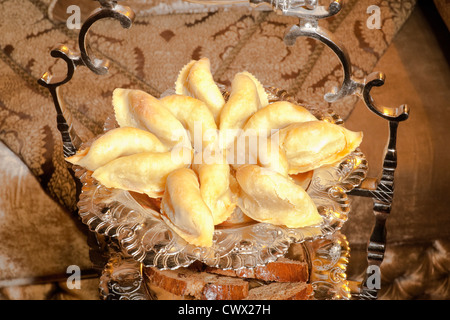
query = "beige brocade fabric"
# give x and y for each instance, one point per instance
(38, 237)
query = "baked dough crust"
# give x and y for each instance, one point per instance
(253, 149)
(195, 116)
(136, 108)
(267, 196)
(215, 188)
(196, 80)
(277, 115)
(114, 144)
(244, 101)
(256, 167)
(183, 208)
(144, 172)
(313, 144)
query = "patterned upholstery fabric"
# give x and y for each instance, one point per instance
(165, 36)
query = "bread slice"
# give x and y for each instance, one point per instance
(281, 270)
(199, 285)
(283, 279)
(281, 291)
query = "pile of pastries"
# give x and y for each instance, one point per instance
(214, 161)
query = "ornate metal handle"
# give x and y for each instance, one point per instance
(303, 9)
(70, 139)
(377, 79)
(382, 193)
(310, 28)
(108, 9)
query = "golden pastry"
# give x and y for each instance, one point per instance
(183, 208)
(144, 172)
(313, 144)
(267, 196)
(303, 179)
(195, 116)
(136, 108)
(215, 189)
(252, 149)
(237, 217)
(196, 80)
(262, 94)
(243, 102)
(272, 157)
(275, 116)
(114, 144)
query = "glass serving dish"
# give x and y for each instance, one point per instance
(123, 279)
(133, 222)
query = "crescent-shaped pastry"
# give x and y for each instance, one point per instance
(260, 150)
(144, 172)
(236, 218)
(136, 108)
(116, 143)
(303, 179)
(215, 189)
(275, 116)
(269, 197)
(262, 94)
(272, 157)
(243, 102)
(196, 80)
(313, 144)
(195, 116)
(183, 208)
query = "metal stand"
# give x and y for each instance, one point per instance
(108, 9)
(71, 141)
(309, 14)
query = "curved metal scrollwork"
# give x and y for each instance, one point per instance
(70, 139)
(377, 79)
(122, 279)
(303, 9)
(108, 9)
(309, 14)
(310, 28)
